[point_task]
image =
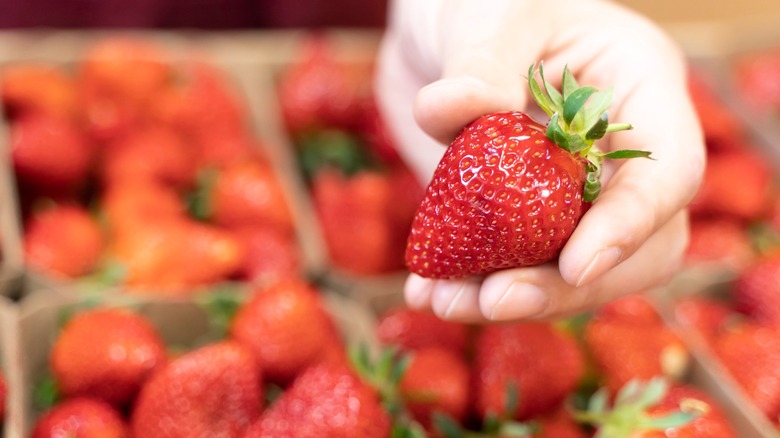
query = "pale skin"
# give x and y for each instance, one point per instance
(444, 63)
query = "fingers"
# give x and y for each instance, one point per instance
(540, 292)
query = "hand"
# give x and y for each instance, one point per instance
(444, 63)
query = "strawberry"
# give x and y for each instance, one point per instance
(139, 201)
(325, 401)
(172, 255)
(37, 87)
(711, 423)
(757, 289)
(719, 240)
(509, 191)
(720, 124)
(106, 354)
(542, 363)
(751, 353)
(63, 240)
(756, 79)
(709, 317)
(49, 154)
(436, 380)
(213, 391)
(270, 254)
(559, 424)
(156, 153)
(286, 326)
(3, 395)
(411, 329)
(623, 350)
(635, 308)
(248, 193)
(718, 195)
(81, 417)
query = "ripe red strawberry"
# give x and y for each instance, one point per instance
(720, 124)
(623, 350)
(720, 240)
(49, 154)
(3, 395)
(249, 193)
(213, 391)
(751, 353)
(270, 254)
(711, 423)
(286, 327)
(81, 417)
(63, 241)
(156, 153)
(106, 354)
(635, 308)
(34, 87)
(411, 329)
(756, 79)
(718, 195)
(324, 402)
(436, 380)
(139, 201)
(172, 255)
(757, 289)
(509, 191)
(559, 424)
(544, 365)
(707, 316)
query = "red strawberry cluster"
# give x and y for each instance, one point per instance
(136, 169)
(756, 77)
(364, 196)
(280, 371)
(523, 379)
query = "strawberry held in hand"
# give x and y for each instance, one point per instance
(509, 191)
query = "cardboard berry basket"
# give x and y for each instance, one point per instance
(244, 68)
(708, 371)
(10, 366)
(183, 325)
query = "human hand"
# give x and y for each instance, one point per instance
(445, 63)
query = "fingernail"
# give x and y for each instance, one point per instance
(521, 300)
(445, 297)
(417, 292)
(604, 259)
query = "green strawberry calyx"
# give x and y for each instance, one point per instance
(578, 117)
(629, 413)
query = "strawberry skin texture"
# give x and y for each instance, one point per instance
(326, 401)
(214, 391)
(503, 196)
(81, 417)
(106, 354)
(411, 329)
(543, 363)
(757, 290)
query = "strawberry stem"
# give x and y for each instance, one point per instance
(578, 118)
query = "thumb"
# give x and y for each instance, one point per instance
(485, 56)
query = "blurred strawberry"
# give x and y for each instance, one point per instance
(81, 418)
(34, 87)
(635, 308)
(220, 149)
(757, 290)
(156, 153)
(721, 240)
(718, 193)
(213, 391)
(320, 91)
(286, 326)
(270, 254)
(3, 395)
(50, 154)
(436, 380)
(559, 424)
(411, 329)
(139, 201)
(106, 354)
(63, 241)
(375, 132)
(542, 363)
(720, 124)
(248, 193)
(756, 76)
(751, 353)
(325, 401)
(707, 316)
(172, 255)
(711, 423)
(623, 350)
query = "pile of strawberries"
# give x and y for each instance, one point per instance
(136, 169)
(363, 194)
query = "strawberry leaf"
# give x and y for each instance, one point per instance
(569, 83)
(598, 129)
(598, 105)
(575, 102)
(628, 153)
(446, 426)
(592, 187)
(555, 96)
(556, 134)
(541, 98)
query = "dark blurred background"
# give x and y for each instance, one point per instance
(204, 14)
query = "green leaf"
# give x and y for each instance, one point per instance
(592, 188)
(672, 421)
(577, 143)
(569, 83)
(541, 98)
(199, 205)
(653, 392)
(574, 103)
(555, 96)
(518, 430)
(360, 360)
(447, 426)
(399, 368)
(46, 393)
(556, 134)
(598, 402)
(597, 105)
(599, 128)
(512, 399)
(627, 153)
